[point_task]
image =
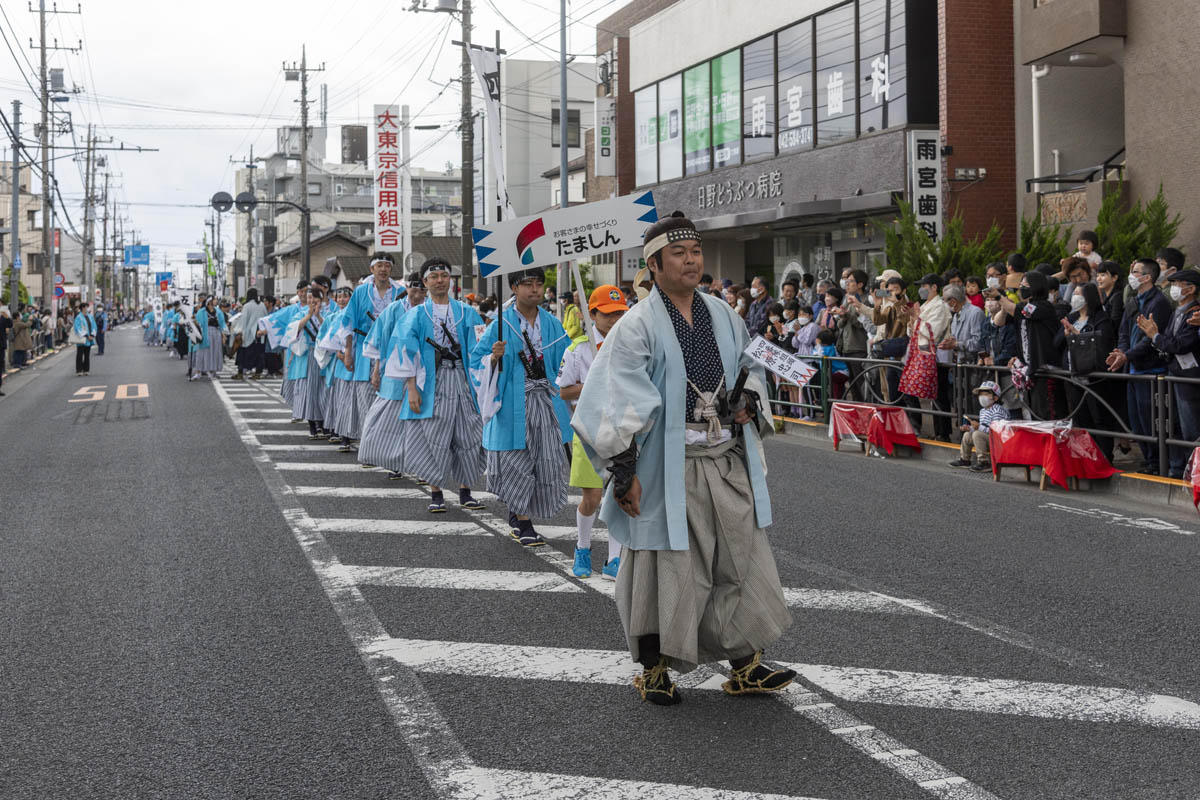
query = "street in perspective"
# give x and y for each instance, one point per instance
(604, 399)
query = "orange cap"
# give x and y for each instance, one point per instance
(607, 299)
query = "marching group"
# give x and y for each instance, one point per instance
(657, 420)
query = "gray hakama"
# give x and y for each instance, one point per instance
(721, 598)
(381, 444)
(446, 449)
(287, 389)
(532, 482)
(209, 359)
(343, 417)
(365, 395)
(308, 393)
(326, 400)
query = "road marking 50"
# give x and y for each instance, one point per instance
(126, 391)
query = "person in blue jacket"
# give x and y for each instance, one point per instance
(441, 430)
(370, 299)
(380, 445)
(526, 423)
(84, 336)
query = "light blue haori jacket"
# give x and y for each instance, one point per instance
(202, 324)
(85, 326)
(379, 345)
(298, 342)
(635, 390)
(501, 396)
(409, 355)
(331, 340)
(168, 323)
(148, 320)
(365, 306)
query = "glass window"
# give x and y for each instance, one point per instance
(758, 103)
(727, 109)
(883, 64)
(572, 127)
(645, 110)
(796, 87)
(836, 82)
(670, 128)
(697, 128)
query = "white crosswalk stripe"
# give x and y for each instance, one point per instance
(470, 579)
(820, 704)
(298, 432)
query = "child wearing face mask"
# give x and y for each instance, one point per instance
(975, 432)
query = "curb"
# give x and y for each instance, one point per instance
(42, 357)
(1148, 489)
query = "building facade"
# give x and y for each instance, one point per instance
(789, 134)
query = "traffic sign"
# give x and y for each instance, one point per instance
(17, 262)
(59, 279)
(59, 291)
(137, 254)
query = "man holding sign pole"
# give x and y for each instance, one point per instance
(671, 408)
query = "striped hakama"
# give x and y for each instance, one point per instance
(308, 393)
(381, 445)
(532, 482)
(287, 389)
(342, 415)
(365, 394)
(721, 598)
(446, 449)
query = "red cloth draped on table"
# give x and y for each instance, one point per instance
(884, 426)
(1061, 451)
(1192, 476)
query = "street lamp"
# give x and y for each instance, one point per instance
(247, 202)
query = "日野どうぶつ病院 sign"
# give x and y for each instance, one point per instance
(567, 234)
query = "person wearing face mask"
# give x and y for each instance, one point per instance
(891, 318)
(1086, 338)
(1036, 324)
(975, 433)
(761, 302)
(1135, 353)
(1180, 343)
(742, 303)
(1077, 271)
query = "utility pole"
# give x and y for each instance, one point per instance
(563, 156)
(14, 218)
(47, 175)
(467, 182)
(290, 73)
(104, 235)
(88, 189)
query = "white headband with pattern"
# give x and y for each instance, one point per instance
(670, 237)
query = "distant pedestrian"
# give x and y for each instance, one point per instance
(22, 341)
(5, 327)
(83, 336)
(101, 326)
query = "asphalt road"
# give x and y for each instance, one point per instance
(202, 603)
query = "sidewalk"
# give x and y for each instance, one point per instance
(1149, 489)
(14, 379)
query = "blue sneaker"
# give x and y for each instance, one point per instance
(583, 563)
(609, 573)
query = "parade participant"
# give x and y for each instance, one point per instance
(672, 408)
(606, 305)
(380, 445)
(341, 416)
(181, 335)
(168, 326)
(526, 423)
(250, 354)
(441, 430)
(303, 371)
(275, 326)
(369, 301)
(207, 355)
(149, 328)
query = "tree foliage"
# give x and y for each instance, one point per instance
(1160, 228)
(1041, 243)
(911, 252)
(22, 291)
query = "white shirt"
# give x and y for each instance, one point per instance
(442, 321)
(576, 363)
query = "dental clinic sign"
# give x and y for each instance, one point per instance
(567, 234)
(925, 180)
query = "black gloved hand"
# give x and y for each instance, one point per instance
(623, 469)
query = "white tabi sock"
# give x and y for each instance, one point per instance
(584, 542)
(614, 549)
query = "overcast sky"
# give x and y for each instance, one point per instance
(202, 82)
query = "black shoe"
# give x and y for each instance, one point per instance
(655, 686)
(395, 476)
(757, 678)
(1148, 471)
(981, 466)
(960, 462)
(437, 503)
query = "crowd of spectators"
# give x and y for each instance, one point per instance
(1061, 331)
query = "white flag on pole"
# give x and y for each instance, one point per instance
(487, 72)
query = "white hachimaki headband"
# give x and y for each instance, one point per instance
(379, 259)
(435, 266)
(663, 239)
